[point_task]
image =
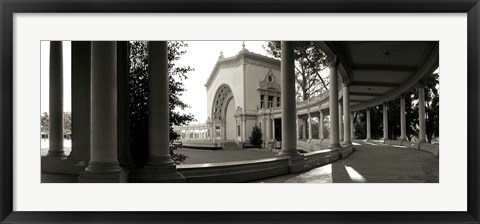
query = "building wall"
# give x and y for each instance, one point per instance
(243, 77)
(231, 76)
(253, 75)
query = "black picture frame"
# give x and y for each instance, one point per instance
(9, 7)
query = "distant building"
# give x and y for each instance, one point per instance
(239, 91)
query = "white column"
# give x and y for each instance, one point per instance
(346, 113)
(273, 129)
(334, 121)
(340, 121)
(309, 127)
(421, 114)
(80, 100)
(298, 128)
(158, 112)
(289, 143)
(403, 124)
(104, 108)
(369, 133)
(352, 127)
(268, 127)
(385, 122)
(321, 136)
(214, 132)
(123, 102)
(160, 166)
(55, 135)
(244, 128)
(304, 128)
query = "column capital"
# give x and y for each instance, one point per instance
(422, 83)
(346, 82)
(333, 61)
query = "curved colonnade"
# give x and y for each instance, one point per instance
(359, 79)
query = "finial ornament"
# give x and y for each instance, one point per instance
(243, 47)
(221, 55)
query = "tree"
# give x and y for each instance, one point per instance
(177, 75)
(256, 137)
(359, 122)
(411, 114)
(67, 123)
(138, 83)
(309, 63)
(432, 109)
(44, 122)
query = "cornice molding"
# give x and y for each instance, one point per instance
(243, 57)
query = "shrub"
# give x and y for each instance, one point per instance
(178, 158)
(256, 137)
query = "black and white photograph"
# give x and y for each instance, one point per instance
(239, 111)
(261, 112)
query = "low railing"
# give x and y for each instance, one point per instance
(251, 170)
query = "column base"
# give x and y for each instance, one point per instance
(103, 167)
(422, 141)
(91, 177)
(346, 151)
(271, 144)
(288, 152)
(157, 173)
(56, 154)
(335, 146)
(57, 165)
(368, 140)
(347, 143)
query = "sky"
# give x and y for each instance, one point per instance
(200, 55)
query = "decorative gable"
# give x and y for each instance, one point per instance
(269, 82)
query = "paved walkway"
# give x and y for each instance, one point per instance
(372, 163)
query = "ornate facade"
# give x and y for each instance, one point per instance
(241, 90)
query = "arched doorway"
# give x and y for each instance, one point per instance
(223, 113)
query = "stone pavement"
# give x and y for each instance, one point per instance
(372, 163)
